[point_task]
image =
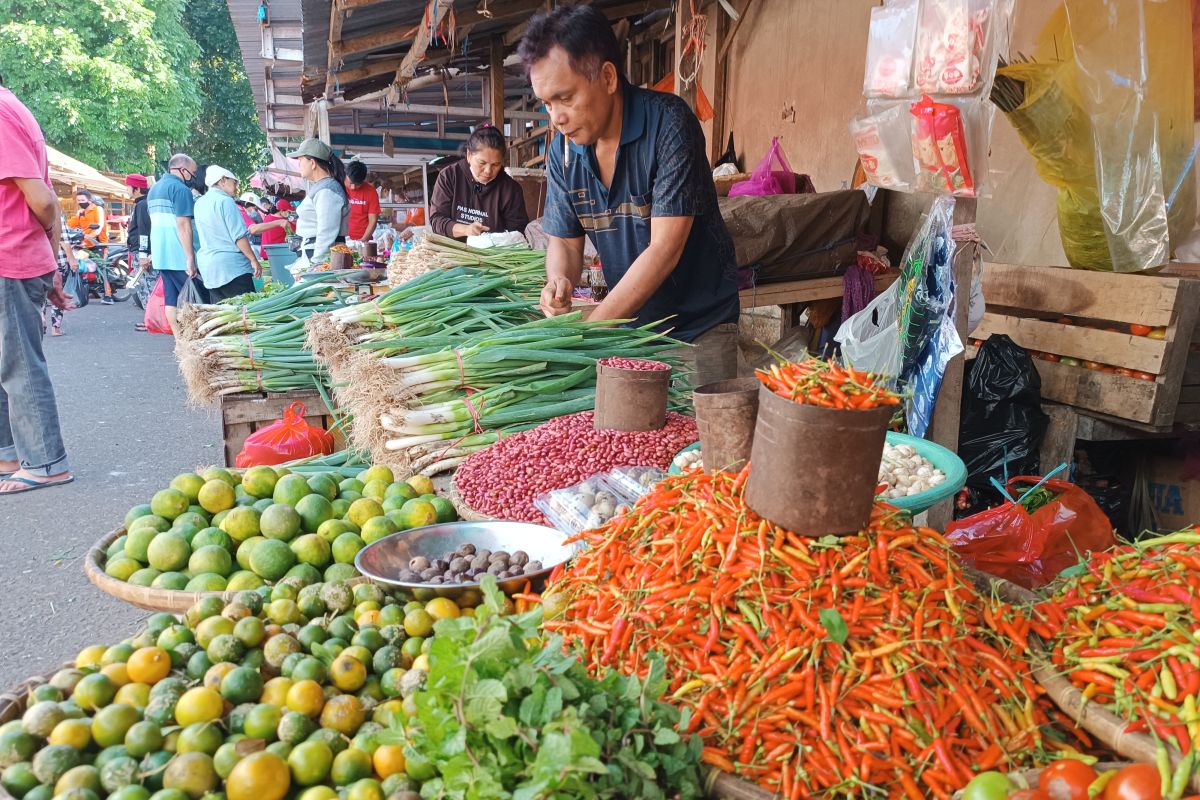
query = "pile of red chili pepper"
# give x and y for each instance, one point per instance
(827, 384)
(858, 665)
(1124, 633)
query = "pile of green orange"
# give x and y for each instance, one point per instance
(274, 694)
(226, 530)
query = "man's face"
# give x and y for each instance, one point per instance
(581, 108)
(82, 200)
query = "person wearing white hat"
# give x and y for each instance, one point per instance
(226, 260)
(248, 204)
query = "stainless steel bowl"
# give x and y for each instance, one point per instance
(383, 560)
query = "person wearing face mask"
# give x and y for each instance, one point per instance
(323, 217)
(475, 195)
(226, 259)
(172, 233)
(628, 169)
(90, 213)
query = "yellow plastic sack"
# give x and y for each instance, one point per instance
(1107, 117)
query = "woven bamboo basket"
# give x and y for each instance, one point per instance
(1029, 778)
(464, 511)
(1094, 718)
(174, 602)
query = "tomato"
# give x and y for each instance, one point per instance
(1112, 330)
(1065, 321)
(1050, 357)
(1068, 361)
(1128, 373)
(1140, 330)
(1158, 333)
(987, 786)
(1135, 782)
(1143, 376)
(1067, 779)
(1028, 794)
(1092, 365)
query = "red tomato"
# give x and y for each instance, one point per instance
(1112, 330)
(1050, 356)
(1065, 321)
(1067, 779)
(1128, 373)
(1092, 365)
(1140, 330)
(1135, 782)
(1028, 794)
(1143, 376)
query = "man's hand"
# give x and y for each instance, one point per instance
(59, 298)
(191, 267)
(477, 229)
(556, 296)
(257, 268)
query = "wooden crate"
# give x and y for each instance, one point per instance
(243, 414)
(1026, 303)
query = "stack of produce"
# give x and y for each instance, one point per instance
(279, 690)
(222, 531)
(1121, 628)
(503, 480)
(838, 665)
(461, 359)
(254, 347)
(432, 252)
(322, 690)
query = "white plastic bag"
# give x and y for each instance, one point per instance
(890, 44)
(870, 339)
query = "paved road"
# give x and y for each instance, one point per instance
(128, 432)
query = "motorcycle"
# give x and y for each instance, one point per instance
(105, 269)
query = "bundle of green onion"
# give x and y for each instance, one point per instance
(455, 400)
(259, 346)
(526, 267)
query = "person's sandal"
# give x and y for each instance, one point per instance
(56, 332)
(31, 485)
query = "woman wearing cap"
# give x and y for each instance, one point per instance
(248, 205)
(323, 217)
(475, 194)
(225, 260)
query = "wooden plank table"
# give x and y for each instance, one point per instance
(792, 296)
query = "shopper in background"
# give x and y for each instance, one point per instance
(476, 195)
(89, 219)
(32, 455)
(137, 236)
(323, 217)
(273, 229)
(226, 260)
(172, 236)
(364, 203)
(248, 205)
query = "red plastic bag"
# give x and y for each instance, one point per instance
(286, 440)
(1032, 549)
(764, 180)
(156, 310)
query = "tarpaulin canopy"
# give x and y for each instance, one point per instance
(74, 174)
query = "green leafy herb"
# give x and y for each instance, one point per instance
(834, 625)
(505, 714)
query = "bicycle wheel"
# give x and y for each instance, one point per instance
(127, 291)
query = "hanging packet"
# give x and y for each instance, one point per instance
(883, 140)
(890, 43)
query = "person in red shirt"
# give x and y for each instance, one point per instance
(364, 203)
(32, 455)
(274, 228)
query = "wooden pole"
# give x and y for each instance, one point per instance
(716, 145)
(496, 81)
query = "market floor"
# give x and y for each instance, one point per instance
(128, 431)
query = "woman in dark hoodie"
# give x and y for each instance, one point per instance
(476, 195)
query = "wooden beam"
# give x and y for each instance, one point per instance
(716, 144)
(386, 37)
(683, 21)
(500, 12)
(496, 81)
(435, 12)
(371, 70)
(733, 29)
(614, 13)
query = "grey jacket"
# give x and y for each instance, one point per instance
(322, 218)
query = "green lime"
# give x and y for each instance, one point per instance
(314, 510)
(143, 738)
(340, 573)
(260, 481)
(171, 580)
(280, 522)
(378, 527)
(310, 763)
(168, 552)
(211, 558)
(242, 523)
(200, 737)
(262, 722)
(346, 547)
(217, 496)
(169, 503)
(207, 582)
(144, 576)
(136, 512)
(271, 559)
(242, 685)
(324, 485)
(111, 723)
(418, 514)
(290, 489)
(446, 512)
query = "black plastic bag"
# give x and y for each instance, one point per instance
(76, 288)
(192, 293)
(1002, 420)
